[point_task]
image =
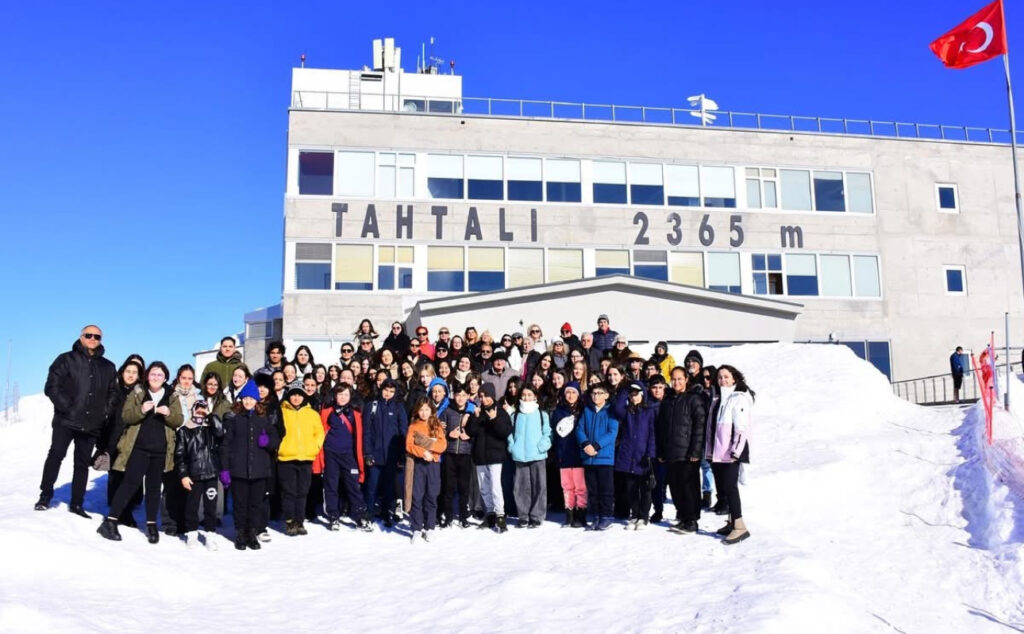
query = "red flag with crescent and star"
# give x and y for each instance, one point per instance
(977, 39)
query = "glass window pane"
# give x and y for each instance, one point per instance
(606, 258)
(753, 193)
(645, 174)
(724, 272)
(406, 182)
(386, 158)
(652, 271)
(647, 194)
(770, 199)
(406, 160)
(316, 173)
(858, 347)
(405, 255)
(526, 190)
(758, 261)
(312, 251)
(718, 186)
(767, 172)
(878, 355)
(686, 268)
(353, 267)
(609, 172)
(828, 191)
(752, 171)
(525, 267)
(386, 181)
(801, 274)
(486, 259)
(486, 190)
(355, 173)
(858, 192)
(445, 187)
(444, 166)
(774, 262)
(796, 190)
(452, 281)
(564, 192)
(565, 264)
(682, 181)
(487, 168)
(385, 255)
(954, 280)
(385, 277)
(445, 258)
(865, 275)
(835, 276)
(562, 170)
(524, 169)
(605, 193)
(404, 277)
(480, 281)
(947, 198)
(760, 284)
(440, 106)
(313, 275)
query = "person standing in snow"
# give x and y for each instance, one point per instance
(457, 467)
(128, 376)
(302, 441)
(490, 429)
(424, 444)
(196, 465)
(596, 433)
(529, 445)
(956, 368)
(343, 465)
(82, 385)
(228, 358)
(694, 364)
(680, 444)
(635, 453)
(728, 447)
(570, 464)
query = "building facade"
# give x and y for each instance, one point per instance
(398, 197)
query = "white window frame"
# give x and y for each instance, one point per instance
(945, 280)
(956, 198)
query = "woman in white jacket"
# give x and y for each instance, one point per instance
(727, 446)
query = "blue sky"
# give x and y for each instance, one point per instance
(142, 146)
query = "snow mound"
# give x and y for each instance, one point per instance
(863, 511)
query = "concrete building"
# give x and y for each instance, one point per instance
(405, 200)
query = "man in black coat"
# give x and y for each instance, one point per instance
(680, 432)
(82, 385)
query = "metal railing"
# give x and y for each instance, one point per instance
(938, 389)
(567, 110)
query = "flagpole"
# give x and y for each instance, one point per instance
(1016, 187)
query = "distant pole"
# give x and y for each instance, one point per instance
(7, 387)
(1016, 171)
(1006, 400)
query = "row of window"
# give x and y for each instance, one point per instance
(458, 269)
(569, 180)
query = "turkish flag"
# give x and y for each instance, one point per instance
(977, 39)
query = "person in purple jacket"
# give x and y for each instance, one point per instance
(633, 456)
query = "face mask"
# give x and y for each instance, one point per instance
(528, 407)
(727, 390)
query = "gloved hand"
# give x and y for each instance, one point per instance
(645, 462)
(225, 478)
(264, 439)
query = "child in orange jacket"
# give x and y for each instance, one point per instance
(424, 444)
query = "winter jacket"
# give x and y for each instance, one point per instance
(665, 365)
(417, 452)
(398, 345)
(618, 401)
(500, 382)
(604, 340)
(224, 367)
(114, 427)
(567, 448)
(452, 420)
(83, 388)
(444, 403)
(330, 418)
(197, 450)
(592, 356)
(134, 419)
(385, 424)
(531, 436)
(240, 452)
(218, 405)
(956, 364)
(680, 427)
(599, 429)
(636, 439)
(303, 433)
(490, 437)
(732, 428)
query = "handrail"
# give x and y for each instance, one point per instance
(937, 389)
(668, 115)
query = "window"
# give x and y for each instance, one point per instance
(312, 266)
(445, 269)
(355, 173)
(607, 262)
(947, 197)
(524, 179)
(686, 268)
(609, 182)
(396, 175)
(444, 176)
(563, 180)
(682, 185)
(394, 267)
(414, 105)
(796, 189)
(719, 186)
(486, 178)
(865, 276)
(645, 184)
(879, 356)
(835, 276)
(767, 274)
(525, 267)
(956, 280)
(316, 173)
(486, 268)
(447, 107)
(801, 274)
(565, 264)
(651, 264)
(353, 267)
(858, 193)
(762, 188)
(828, 191)
(724, 272)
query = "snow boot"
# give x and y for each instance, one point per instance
(108, 530)
(300, 528)
(739, 532)
(502, 527)
(240, 540)
(425, 536)
(568, 518)
(579, 517)
(290, 528)
(705, 502)
(252, 540)
(152, 534)
(79, 511)
(725, 530)
(43, 503)
(489, 521)
(364, 524)
(657, 517)
(721, 507)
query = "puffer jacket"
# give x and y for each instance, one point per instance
(304, 433)
(566, 447)
(531, 436)
(83, 388)
(732, 428)
(636, 439)
(240, 453)
(197, 450)
(490, 437)
(598, 428)
(452, 420)
(680, 427)
(384, 426)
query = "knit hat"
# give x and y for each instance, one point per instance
(662, 344)
(572, 385)
(517, 335)
(567, 326)
(499, 354)
(621, 338)
(693, 354)
(389, 383)
(441, 346)
(487, 389)
(264, 379)
(250, 390)
(603, 316)
(365, 338)
(295, 390)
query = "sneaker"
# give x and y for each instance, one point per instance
(533, 524)
(364, 525)
(640, 524)
(425, 536)
(631, 525)
(264, 537)
(300, 528)
(389, 520)
(43, 504)
(523, 522)
(108, 530)
(604, 524)
(500, 524)
(207, 537)
(463, 523)
(79, 511)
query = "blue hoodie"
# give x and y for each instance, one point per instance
(444, 404)
(599, 428)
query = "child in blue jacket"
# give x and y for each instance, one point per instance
(596, 434)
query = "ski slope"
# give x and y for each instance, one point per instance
(867, 514)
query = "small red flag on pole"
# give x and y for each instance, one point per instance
(977, 39)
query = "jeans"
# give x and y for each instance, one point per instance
(705, 476)
(60, 440)
(489, 477)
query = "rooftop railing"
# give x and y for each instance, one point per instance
(572, 111)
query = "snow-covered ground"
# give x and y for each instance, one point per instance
(866, 514)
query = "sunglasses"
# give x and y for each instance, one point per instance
(90, 335)
(346, 351)
(396, 328)
(485, 351)
(534, 332)
(421, 334)
(620, 343)
(414, 344)
(442, 332)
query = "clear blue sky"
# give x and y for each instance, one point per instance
(142, 145)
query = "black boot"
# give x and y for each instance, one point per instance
(300, 528)
(239, 540)
(152, 534)
(108, 530)
(579, 518)
(657, 517)
(501, 526)
(489, 522)
(706, 500)
(251, 541)
(79, 511)
(43, 503)
(568, 518)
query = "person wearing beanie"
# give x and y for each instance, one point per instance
(604, 336)
(663, 359)
(620, 351)
(572, 342)
(634, 455)
(567, 449)
(490, 428)
(692, 363)
(681, 428)
(196, 465)
(303, 439)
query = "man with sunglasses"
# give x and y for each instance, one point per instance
(426, 348)
(82, 385)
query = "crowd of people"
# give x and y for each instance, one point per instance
(404, 434)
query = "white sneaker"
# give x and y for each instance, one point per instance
(191, 540)
(264, 537)
(209, 540)
(640, 524)
(336, 525)
(631, 524)
(425, 536)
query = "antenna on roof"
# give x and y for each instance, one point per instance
(302, 60)
(704, 107)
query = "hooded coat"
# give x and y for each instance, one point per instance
(224, 367)
(385, 424)
(665, 362)
(304, 433)
(636, 439)
(443, 405)
(83, 389)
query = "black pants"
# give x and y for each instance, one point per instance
(727, 476)
(315, 497)
(600, 490)
(341, 477)
(638, 495)
(294, 476)
(619, 482)
(684, 485)
(114, 479)
(172, 508)
(272, 507)
(203, 492)
(143, 467)
(249, 495)
(457, 469)
(60, 440)
(658, 494)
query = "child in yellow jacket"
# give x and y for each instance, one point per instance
(303, 439)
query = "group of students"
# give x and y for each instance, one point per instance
(456, 428)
